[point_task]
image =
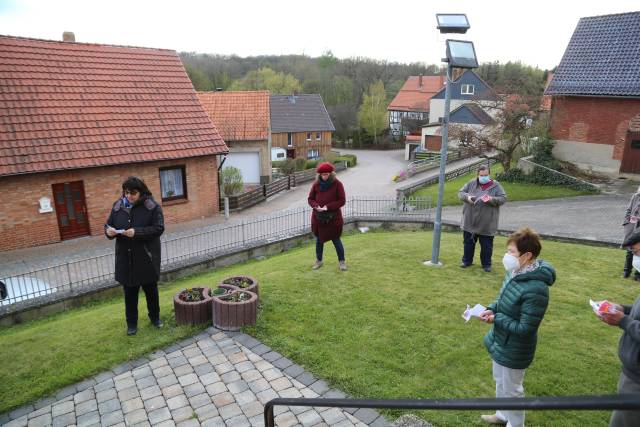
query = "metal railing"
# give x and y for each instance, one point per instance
(52, 283)
(562, 403)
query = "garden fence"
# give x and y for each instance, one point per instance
(34, 287)
(263, 192)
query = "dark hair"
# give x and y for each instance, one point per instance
(526, 240)
(483, 168)
(136, 184)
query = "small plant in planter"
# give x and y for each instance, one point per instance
(192, 306)
(245, 283)
(235, 310)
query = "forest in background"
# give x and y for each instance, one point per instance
(356, 91)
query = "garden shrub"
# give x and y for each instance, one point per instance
(231, 181)
(349, 158)
(311, 164)
(543, 176)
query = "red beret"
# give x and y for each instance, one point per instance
(325, 168)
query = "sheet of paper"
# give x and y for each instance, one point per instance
(119, 231)
(602, 307)
(473, 311)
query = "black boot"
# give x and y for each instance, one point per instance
(627, 265)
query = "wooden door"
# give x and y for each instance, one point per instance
(71, 209)
(631, 154)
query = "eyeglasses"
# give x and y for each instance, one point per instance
(130, 192)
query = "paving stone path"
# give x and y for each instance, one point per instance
(212, 379)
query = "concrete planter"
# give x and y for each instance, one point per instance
(231, 314)
(240, 283)
(192, 312)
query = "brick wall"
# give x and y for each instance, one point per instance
(593, 120)
(21, 225)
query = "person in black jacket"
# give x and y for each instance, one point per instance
(136, 222)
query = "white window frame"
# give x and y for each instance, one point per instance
(313, 154)
(289, 139)
(308, 136)
(176, 183)
(467, 89)
(318, 136)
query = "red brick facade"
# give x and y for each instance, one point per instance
(21, 225)
(593, 120)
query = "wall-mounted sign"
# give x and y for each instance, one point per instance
(45, 205)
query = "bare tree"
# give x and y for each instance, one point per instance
(513, 116)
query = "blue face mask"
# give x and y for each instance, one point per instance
(484, 179)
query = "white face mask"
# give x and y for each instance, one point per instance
(511, 262)
(636, 262)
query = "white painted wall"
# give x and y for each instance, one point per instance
(595, 157)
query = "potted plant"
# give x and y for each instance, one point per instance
(234, 310)
(243, 283)
(218, 292)
(192, 306)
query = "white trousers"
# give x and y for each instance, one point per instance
(509, 384)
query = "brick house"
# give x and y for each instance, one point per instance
(242, 118)
(412, 102)
(300, 127)
(596, 95)
(78, 119)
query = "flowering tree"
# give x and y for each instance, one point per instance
(513, 116)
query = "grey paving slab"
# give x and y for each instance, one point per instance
(366, 415)
(112, 418)
(86, 407)
(40, 421)
(88, 419)
(159, 415)
(64, 420)
(182, 414)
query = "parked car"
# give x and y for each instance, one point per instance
(20, 288)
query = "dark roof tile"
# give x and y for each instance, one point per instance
(602, 58)
(299, 113)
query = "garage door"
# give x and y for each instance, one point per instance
(248, 163)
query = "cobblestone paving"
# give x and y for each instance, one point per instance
(212, 379)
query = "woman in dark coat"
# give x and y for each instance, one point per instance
(136, 222)
(326, 198)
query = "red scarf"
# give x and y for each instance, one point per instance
(487, 185)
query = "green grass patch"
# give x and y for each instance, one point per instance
(387, 328)
(515, 191)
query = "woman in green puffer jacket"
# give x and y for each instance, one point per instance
(516, 315)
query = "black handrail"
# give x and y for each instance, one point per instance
(581, 403)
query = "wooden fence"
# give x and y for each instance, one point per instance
(260, 194)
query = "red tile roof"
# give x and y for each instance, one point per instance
(415, 97)
(74, 105)
(239, 116)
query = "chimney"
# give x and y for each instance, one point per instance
(68, 36)
(420, 81)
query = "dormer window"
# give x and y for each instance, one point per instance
(466, 89)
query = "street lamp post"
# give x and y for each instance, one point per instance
(460, 54)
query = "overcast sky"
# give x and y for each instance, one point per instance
(535, 32)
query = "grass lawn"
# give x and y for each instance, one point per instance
(387, 328)
(515, 191)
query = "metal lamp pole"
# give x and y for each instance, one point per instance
(437, 225)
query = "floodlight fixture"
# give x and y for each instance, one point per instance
(452, 23)
(461, 54)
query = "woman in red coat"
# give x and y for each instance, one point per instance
(326, 198)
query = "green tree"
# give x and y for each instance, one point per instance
(372, 115)
(266, 79)
(199, 79)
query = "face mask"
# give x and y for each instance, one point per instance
(511, 262)
(484, 179)
(636, 262)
